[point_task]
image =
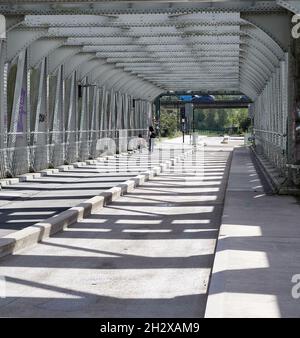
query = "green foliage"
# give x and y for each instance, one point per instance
(168, 123)
(210, 121)
(234, 120)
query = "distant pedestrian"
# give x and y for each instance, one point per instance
(152, 136)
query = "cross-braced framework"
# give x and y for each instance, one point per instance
(76, 72)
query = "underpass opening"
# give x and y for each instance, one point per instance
(78, 78)
(203, 113)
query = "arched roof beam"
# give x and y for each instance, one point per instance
(60, 56)
(20, 39)
(41, 48)
(75, 62)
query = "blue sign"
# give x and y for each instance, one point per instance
(186, 98)
(204, 98)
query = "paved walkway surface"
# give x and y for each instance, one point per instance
(29, 202)
(151, 253)
(148, 254)
(258, 249)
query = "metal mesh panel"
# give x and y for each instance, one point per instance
(17, 161)
(40, 157)
(270, 119)
(56, 154)
(3, 169)
(71, 151)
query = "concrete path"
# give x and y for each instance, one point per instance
(148, 254)
(258, 250)
(26, 203)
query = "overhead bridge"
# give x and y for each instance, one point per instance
(80, 83)
(207, 105)
(75, 73)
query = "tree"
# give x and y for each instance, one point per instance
(168, 122)
(220, 120)
(211, 120)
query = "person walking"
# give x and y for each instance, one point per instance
(152, 136)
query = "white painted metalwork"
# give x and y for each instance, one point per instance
(85, 69)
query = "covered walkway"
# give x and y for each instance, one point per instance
(151, 253)
(147, 254)
(77, 77)
(31, 198)
(90, 225)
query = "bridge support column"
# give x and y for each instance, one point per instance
(94, 123)
(119, 111)
(104, 120)
(125, 111)
(17, 137)
(40, 118)
(71, 118)
(3, 108)
(157, 115)
(83, 122)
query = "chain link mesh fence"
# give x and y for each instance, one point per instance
(58, 148)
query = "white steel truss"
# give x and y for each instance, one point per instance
(81, 70)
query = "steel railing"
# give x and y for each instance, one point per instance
(35, 151)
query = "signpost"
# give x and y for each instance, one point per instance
(183, 122)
